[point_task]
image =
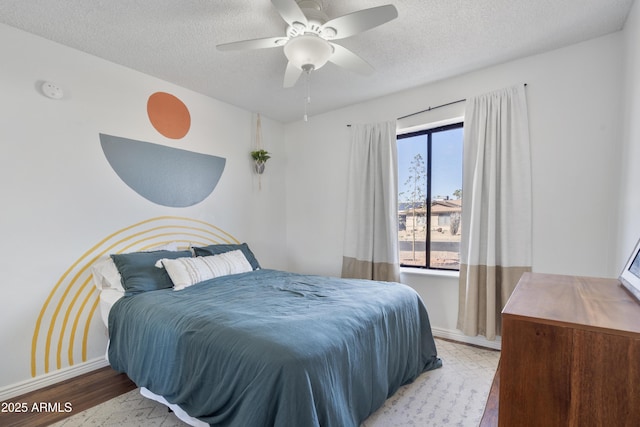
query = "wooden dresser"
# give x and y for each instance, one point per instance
(570, 354)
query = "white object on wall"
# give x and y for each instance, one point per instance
(51, 90)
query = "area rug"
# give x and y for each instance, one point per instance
(454, 395)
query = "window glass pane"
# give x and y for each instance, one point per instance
(430, 197)
(446, 198)
(412, 196)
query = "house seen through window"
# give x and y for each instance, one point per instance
(430, 197)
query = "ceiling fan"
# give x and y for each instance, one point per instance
(307, 40)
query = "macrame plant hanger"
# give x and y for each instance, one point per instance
(259, 167)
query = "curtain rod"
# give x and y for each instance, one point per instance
(428, 109)
(431, 108)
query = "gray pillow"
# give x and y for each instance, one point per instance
(221, 249)
(139, 273)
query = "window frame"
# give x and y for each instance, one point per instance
(429, 131)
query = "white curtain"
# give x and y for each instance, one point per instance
(371, 231)
(496, 208)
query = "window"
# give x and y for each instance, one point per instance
(430, 197)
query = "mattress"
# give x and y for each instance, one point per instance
(108, 297)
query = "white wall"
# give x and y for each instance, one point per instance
(60, 197)
(629, 229)
(574, 108)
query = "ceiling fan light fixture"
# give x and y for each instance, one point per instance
(308, 50)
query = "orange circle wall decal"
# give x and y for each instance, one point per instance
(168, 115)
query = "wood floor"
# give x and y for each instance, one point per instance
(93, 388)
(64, 399)
(490, 416)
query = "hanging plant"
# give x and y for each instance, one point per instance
(260, 157)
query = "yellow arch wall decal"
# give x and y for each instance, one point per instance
(65, 318)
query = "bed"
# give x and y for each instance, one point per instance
(257, 347)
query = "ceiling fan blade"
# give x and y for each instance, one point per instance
(349, 60)
(290, 11)
(363, 20)
(291, 75)
(254, 44)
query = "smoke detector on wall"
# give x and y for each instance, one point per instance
(51, 90)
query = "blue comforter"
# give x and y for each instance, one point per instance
(274, 348)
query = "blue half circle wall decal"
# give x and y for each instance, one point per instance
(163, 175)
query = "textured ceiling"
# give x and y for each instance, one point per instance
(175, 40)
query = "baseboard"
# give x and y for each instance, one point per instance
(457, 335)
(51, 378)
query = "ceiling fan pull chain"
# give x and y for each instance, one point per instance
(307, 99)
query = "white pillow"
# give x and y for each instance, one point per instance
(106, 274)
(185, 272)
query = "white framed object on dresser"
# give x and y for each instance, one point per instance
(630, 276)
